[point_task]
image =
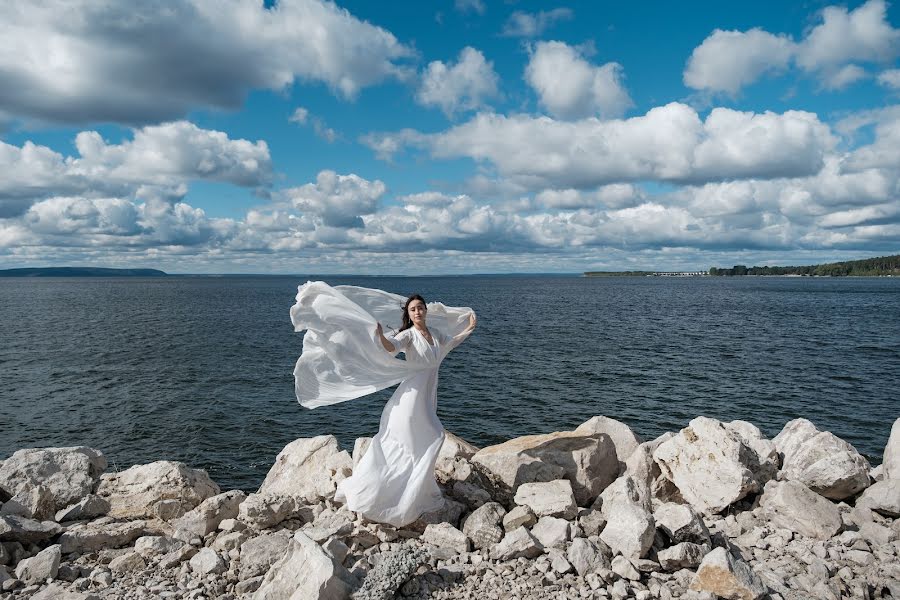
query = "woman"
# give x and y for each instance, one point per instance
(346, 355)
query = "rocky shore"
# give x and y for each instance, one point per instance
(714, 510)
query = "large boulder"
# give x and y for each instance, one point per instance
(32, 503)
(41, 567)
(206, 517)
(891, 460)
(516, 543)
(262, 511)
(587, 556)
(767, 462)
(483, 525)
(681, 523)
(163, 489)
(94, 536)
(306, 572)
(588, 461)
(630, 530)
(308, 469)
(446, 538)
(89, 507)
(882, 497)
(710, 465)
(261, 552)
(791, 505)
(548, 498)
(15, 528)
(623, 438)
(821, 461)
(68, 474)
(727, 577)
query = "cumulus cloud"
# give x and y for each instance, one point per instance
(465, 85)
(79, 62)
(523, 24)
(340, 200)
(669, 143)
(470, 6)
(727, 61)
(158, 160)
(570, 87)
(890, 78)
(301, 116)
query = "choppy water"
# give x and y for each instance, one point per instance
(199, 369)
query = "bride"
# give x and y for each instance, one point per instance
(346, 354)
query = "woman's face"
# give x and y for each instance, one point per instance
(417, 311)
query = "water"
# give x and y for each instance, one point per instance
(199, 369)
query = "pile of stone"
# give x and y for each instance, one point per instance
(715, 510)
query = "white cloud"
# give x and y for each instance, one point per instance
(467, 6)
(890, 78)
(299, 116)
(843, 77)
(82, 61)
(570, 87)
(523, 24)
(465, 85)
(339, 199)
(726, 61)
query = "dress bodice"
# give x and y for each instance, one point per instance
(416, 348)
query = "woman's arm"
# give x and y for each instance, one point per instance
(455, 341)
(384, 341)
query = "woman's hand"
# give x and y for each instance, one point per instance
(472, 321)
(379, 332)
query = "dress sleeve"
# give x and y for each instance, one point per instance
(400, 340)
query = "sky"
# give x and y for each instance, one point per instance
(450, 137)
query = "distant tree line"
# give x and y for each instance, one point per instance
(883, 265)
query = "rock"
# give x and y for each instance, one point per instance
(821, 461)
(56, 591)
(44, 565)
(14, 528)
(727, 577)
(709, 464)
(163, 489)
(891, 462)
(686, 555)
(453, 448)
(552, 532)
(248, 586)
(767, 462)
(558, 561)
(516, 543)
(449, 512)
(89, 507)
(589, 462)
(883, 497)
(472, 495)
(262, 511)
(207, 561)
(132, 561)
(175, 557)
(517, 517)
(483, 525)
(681, 523)
(336, 549)
(625, 489)
(93, 536)
(395, 567)
(305, 572)
(360, 445)
(793, 506)
(32, 503)
(261, 552)
(155, 545)
(551, 498)
(446, 536)
(622, 567)
(205, 518)
(68, 474)
(587, 557)
(877, 534)
(630, 530)
(623, 438)
(308, 470)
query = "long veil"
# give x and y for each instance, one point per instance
(342, 359)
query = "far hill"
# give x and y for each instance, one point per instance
(80, 272)
(868, 267)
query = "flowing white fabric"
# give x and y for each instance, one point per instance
(342, 359)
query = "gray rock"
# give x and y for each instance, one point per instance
(44, 565)
(31, 502)
(132, 561)
(261, 552)
(67, 473)
(891, 462)
(89, 507)
(517, 517)
(56, 591)
(450, 512)
(681, 523)
(793, 506)
(623, 438)
(768, 461)
(550, 498)
(93, 536)
(516, 543)
(384, 580)
(591, 522)
(727, 577)
(262, 511)
(205, 517)
(248, 586)
(882, 497)
(445, 535)
(622, 567)
(14, 528)
(207, 561)
(685, 555)
(155, 545)
(587, 557)
(552, 532)
(483, 525)
(162, 489)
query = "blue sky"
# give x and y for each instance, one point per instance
(452, 137)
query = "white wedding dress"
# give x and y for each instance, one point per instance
(342, 359)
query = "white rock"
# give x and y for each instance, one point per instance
(57, 591)
(727, 577)
(207, 561)
(127, 563)
(552, 532)
(586, 556)
(891, 462)
(791, 505)
(37, 569)
(588, 461)
(32, 503)
(516, 543)
(452, 449)
(360, 445)
(262, 511)
(550, 498)
(710, 464)
(629, 531)
(205, 518)
(685, 555)
(821, 461)
(622, 567)
(623, 438)
(308, 469)
(136, 492)
(93, 536)
(306, 572)
(517, 517)
(625, 489)
(483, 525)
(882, 497)
(261, 552)
(681, 523)
(89, 507)
(67, 473)
(154, 545)
(337, 549)
(445, 535)
(767, 459)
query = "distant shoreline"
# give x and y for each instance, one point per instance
(80, 272)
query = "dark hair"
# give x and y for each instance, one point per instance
(407, 322)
